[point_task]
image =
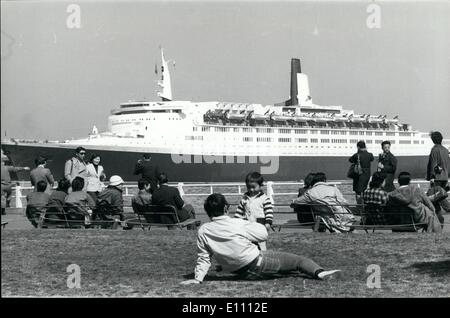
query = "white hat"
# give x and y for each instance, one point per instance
(115, 180)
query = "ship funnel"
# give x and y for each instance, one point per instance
(164, 83)
(295, 69)
(299, 87)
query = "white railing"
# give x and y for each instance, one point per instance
(182, 186)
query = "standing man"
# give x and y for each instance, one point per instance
(41, 173)
(7, 184)
(148, 171)
(387, 164)
(76, 166)
(438, 162)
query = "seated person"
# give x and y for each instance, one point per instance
(411, 197)
(37, 203)
(337, 217)
(375, 200)
(307, 183)
(166, 195)
(439, 197)
(78, 203)
(231, 241)
(57, 201)
(142, 199)
(304, 212)
(110, 200)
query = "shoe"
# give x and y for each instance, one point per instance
(324, 274)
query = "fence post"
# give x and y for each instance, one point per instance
(180, 188)
(18, 196)
(270, 190)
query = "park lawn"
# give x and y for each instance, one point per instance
(152, 263)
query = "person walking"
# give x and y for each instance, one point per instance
(148, 171)
(387, 164)
(363, 158)
(95, 175)
(76, 166)
(41, 173)
(438, 161)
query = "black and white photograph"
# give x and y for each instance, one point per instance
(225, 153)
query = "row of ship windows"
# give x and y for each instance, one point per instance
(140, 119)
(312, 140)
(304, 131)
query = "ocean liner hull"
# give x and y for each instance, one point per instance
(287, 168)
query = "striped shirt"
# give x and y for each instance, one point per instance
(255, 207)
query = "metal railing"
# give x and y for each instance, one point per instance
(241, 189)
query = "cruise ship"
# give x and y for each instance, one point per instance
(220, 141)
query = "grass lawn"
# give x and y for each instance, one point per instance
(136, 263)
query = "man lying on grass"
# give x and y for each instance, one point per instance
(233, 242)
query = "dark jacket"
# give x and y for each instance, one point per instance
(365, 158)
(166, 195)
(112, 196)
(439, 156)
(389, 163)
(57, 200)
(148, 171)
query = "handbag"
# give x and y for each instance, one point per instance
(355, 170)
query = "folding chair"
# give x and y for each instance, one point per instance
(161, 216)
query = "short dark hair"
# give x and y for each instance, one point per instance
(162, 178)
(254, 177)
(40, 161)
(404, 178)
(436, 137)
(94, 156)
(386, 142)
(309, 179)
(63, 185)
(41, 186)
(361, 144)
(77, 184)
(142, 183)
(215, 205)
(377, 180)
(147, 156)
(319, 177)
(79, 149)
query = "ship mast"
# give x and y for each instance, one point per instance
(164, 83)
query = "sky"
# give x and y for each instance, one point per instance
(57, 82)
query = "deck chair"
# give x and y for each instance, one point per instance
(106, 215)
(374, 214)
(402, 218)
(55, 216)
(161, 216)
(35, 215)
(75, 216)
(310, 214)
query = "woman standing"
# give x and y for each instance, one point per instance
(364, 159)
(95, 176)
